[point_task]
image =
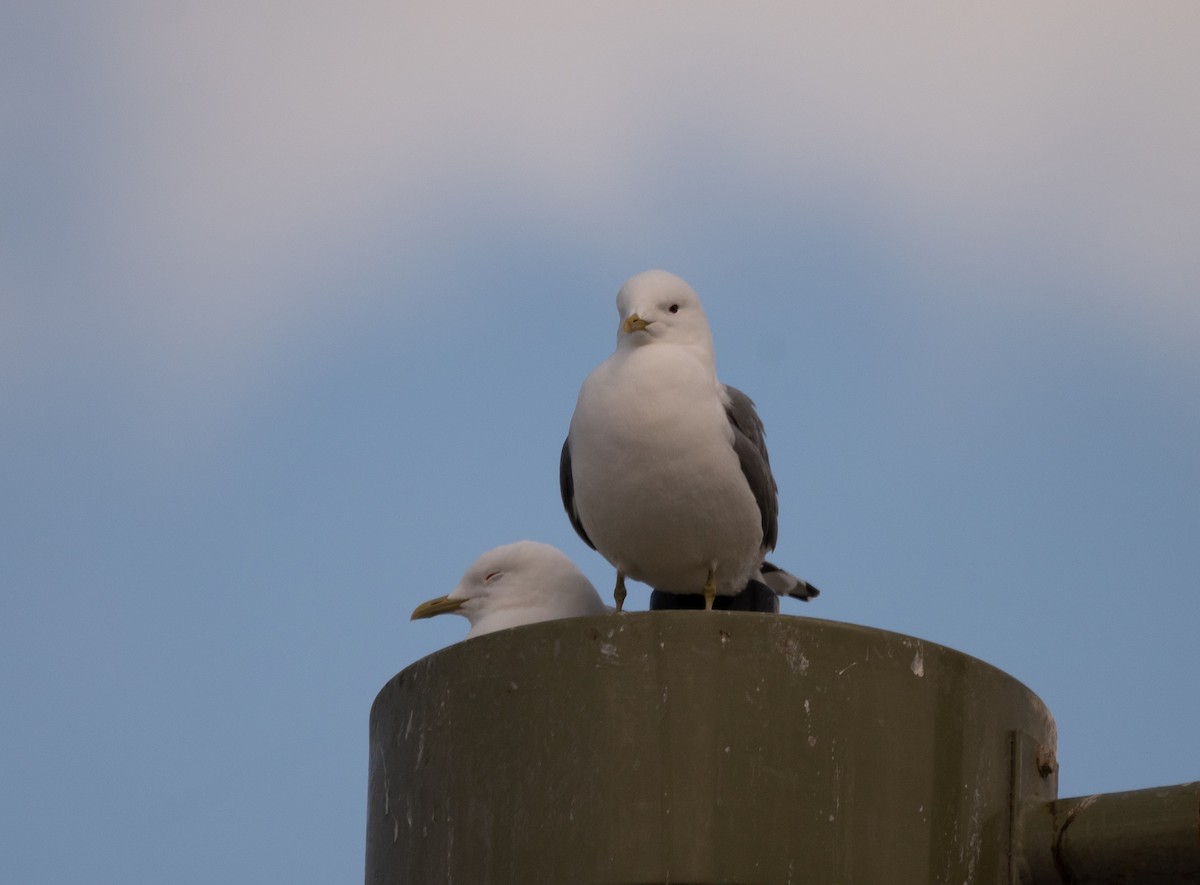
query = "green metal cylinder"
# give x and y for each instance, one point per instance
(701, 747)
(1149, 837)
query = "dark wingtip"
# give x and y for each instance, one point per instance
(805, 592)
(785, 583)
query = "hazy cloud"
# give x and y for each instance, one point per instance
(210, 161)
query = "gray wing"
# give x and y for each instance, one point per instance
(566, 486)
(750, 443)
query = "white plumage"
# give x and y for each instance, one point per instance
(664, 470)
(516, 584)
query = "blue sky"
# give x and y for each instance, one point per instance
(295, 301)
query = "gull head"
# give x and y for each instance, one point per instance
(657, 306)
(521, 583)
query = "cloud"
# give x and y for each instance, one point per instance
(230, 160)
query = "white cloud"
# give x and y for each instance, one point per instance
(247, 144)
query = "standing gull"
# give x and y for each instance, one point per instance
(521, 583)
(664, 470)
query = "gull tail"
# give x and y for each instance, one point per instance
(786, 584)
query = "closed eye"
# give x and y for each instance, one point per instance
(490, 575)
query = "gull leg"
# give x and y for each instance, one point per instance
(619, 591)
(710, 588)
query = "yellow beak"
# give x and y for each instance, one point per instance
(634, 323)
(440, 606)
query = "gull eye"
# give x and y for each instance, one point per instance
(490, 576)
(674, 308)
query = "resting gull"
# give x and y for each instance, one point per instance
(664, 470)
(521, 583)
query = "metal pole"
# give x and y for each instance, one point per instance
(701, 747)
(1142, 836)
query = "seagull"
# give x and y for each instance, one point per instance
(664, 470)
(521, 583)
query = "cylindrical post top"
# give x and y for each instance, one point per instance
(699, 747)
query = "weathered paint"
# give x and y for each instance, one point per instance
(698, 747)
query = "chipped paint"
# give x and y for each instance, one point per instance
(812, 739)
(787, 644)
(918, 663)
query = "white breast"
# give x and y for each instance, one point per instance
(658, 485)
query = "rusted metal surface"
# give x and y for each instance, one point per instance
(700, 747)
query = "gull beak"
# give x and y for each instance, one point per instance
(633, 323)
(440, 606)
